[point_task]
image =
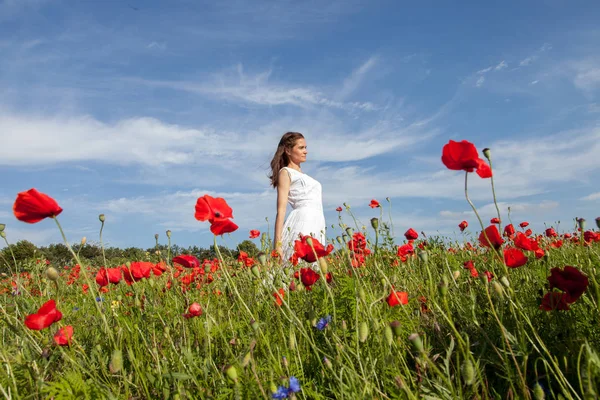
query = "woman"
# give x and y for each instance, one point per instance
(301, 191)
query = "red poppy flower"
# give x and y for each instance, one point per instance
(463, 225)
(556, 244)
(222, 226)
(509, 230)
(209, 208)
(554, 301)
(44, 317)
(279, 297)
(244, 259)
(63, 336)
(411, 234)
(374, 204)
(32, 206)
(550, 232)
(101, 277)
(193, 311)
(463, 156)
(514, 258)
(85, 288)
(308, 277)
(591, 236)
(524, 224)
(489, 275)
(493, 237)
(186, 260)
(570, 280)
(405, 250)
(305, 252)
(396, 298)
(254, 234)
(158, 269)
(339, 209)
(528, 232)
(358, 244)
(495, 220)
(523, 242)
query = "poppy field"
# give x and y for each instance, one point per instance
(502, 313)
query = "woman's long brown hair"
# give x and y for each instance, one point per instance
(281, 159)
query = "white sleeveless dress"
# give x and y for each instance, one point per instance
(306, 217)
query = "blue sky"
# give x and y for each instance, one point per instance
(136, 108)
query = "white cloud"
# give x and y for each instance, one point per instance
(501, 66)
(587, 79)
(533, 57)
(355, 79)
(480, 81)
(591, 197)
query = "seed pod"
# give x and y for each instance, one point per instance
(116, 362)
(168, 233)
(2, 226)
(101, 218)
(156, 236)
(339, 239)
(52, 274)
(456, 274)
(375, 223)
(424, 256)
(389, 335)
(505, 281)
(255, 271)
(349, 231)
(443, 287)
(262, 258)
(363, 332)
(468, 373)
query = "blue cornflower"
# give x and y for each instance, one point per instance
(75, 308)
(283, 392)
(323, 322)
(294, 383)
(99, 299)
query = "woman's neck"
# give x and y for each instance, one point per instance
(294, 166)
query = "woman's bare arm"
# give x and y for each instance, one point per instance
(283, 190)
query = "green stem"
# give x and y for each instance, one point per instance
(102, 244)
(494, 196)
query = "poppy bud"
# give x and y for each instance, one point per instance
(3, 234)
(389, 335)
(255, 271)
(156, 236)
(339, 239)
(347, 206)
(416, 341)
(284, 361)
(486, 153)
(327, 363)
(246, 359)
(323, 266)
(505, 281)
(349, 231)
(468, 373)
(168, 233)
(395, 325)
(2, 226)
(538, 392)
(363, 332)
(344, 325)
(443, 286)
(254, 324)
(581, 223)
(498, 288)
(423, 256)
(262, 258)
(344, 238)
(157, 252)
(361, 294)
(101, 217)
(232, 373)
(375, 223)
(83, 241)
(597, 224)
(456, 274)
(52, 274)
(116, 362)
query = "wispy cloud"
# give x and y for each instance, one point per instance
(480, 81)
(531, 58)
(352, 82)
(591, 197)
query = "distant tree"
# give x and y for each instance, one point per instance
(57, 254)
(23, 251)
(249, 247)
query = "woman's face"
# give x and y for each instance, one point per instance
(298, 153)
